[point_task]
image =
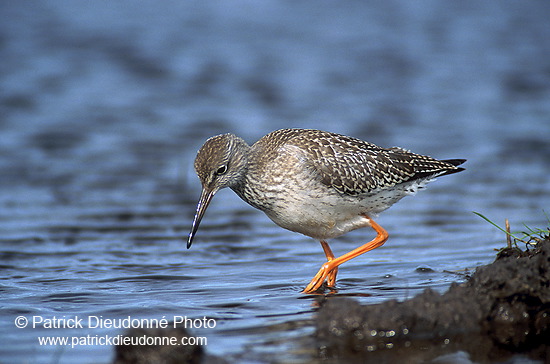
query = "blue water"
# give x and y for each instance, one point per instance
(104, 104)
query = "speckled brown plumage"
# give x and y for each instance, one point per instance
(353, 166)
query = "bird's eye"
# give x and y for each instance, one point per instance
(221, 170)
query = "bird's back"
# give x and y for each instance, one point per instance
(353, 166)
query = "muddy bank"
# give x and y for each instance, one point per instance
(503, 310)
(171, 346)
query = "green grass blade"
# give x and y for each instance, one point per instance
(495, 225)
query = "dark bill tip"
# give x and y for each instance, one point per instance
(204, 201)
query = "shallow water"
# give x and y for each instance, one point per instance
(103, 107)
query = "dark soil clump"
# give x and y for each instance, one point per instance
(161, 353)
(501, 311)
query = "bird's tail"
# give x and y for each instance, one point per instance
(454, 162)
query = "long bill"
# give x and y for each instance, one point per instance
(204, 201)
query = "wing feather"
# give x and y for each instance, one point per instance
(352, 166)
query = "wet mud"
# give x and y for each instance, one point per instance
(142, 354)
(500, 313)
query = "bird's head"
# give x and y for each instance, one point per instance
(221, 162)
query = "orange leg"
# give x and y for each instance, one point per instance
(329, 269)
(331, 278)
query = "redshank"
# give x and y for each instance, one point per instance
(314, 182)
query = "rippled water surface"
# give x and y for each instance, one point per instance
(103, 105)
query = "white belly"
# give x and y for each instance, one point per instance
(322, 215)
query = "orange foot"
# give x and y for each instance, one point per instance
(329, 270)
